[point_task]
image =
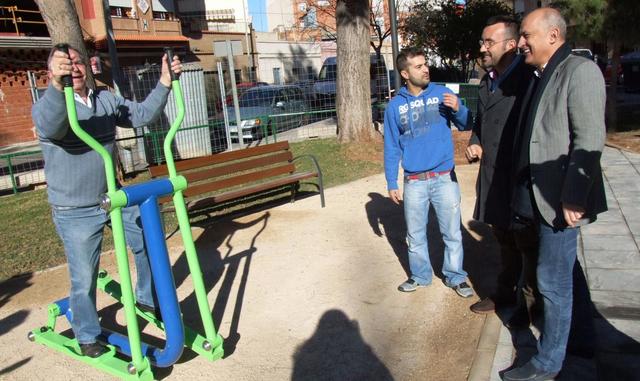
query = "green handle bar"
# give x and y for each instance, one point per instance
(183, 218)
(116, 223)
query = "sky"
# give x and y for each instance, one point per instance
(258, 12)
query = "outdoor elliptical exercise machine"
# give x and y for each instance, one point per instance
(145, 195)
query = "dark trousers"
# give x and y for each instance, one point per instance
(511, 260)
(527, 242)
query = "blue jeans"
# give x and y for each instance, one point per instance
(556, 260)
(443, 193)
(81, 232)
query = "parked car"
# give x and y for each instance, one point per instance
(265, 109)
(240, 87)
(586, 53)
(324, 89)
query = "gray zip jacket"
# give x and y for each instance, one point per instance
(74, 172)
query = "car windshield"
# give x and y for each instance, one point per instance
(257, 97)
(327, 73)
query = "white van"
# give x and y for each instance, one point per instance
(324, 88)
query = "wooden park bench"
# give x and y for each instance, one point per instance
(229, 176)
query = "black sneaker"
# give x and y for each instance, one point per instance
(93, 350)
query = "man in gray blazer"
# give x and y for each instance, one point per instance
(500, 95)
(557, 176)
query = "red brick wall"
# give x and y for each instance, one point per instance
(16, 125)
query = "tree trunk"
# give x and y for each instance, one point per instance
(612, 93)
(353, 91)
(62, 22)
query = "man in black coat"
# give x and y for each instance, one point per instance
(500, 94)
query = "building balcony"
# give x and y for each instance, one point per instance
(123, 25)
(129, 26)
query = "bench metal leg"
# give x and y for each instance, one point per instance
(321, 188)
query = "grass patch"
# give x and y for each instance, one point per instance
(30, 242)
(29, 239)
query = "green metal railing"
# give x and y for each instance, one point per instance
(12, 170)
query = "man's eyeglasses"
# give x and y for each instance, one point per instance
(489, 43)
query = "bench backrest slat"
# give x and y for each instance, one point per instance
(238, 180)
(252, 164)
(219, 158)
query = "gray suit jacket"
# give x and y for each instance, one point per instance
(567, 140)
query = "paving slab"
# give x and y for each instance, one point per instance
(610, 259)
(613, 279)
(613, 299)
(620, 240)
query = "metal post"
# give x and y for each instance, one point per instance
(113, 54)
(234, 91)
(223, 96)
(246, 35)
(394, 42)
(14, 185)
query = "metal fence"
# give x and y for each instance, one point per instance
(215, 100)
(21, 170)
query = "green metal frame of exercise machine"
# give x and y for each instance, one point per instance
(129, 358)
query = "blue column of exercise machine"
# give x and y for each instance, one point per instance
(146, 196)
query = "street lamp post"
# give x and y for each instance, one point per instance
(394, 42)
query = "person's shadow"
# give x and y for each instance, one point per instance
(387, 219)
(481, 255)
(337, 351)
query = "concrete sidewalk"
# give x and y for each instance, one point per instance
(609, 254)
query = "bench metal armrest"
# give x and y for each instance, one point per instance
(315, 163)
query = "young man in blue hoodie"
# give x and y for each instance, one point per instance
(417, 134)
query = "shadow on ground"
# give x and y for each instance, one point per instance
(481, 257)
(8, 290)
(337, 351)
(220, 262)
(596, 349)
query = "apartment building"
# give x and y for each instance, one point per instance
(209, 24)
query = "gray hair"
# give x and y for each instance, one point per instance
(554, 19)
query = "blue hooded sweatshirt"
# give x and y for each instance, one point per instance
(416, 132)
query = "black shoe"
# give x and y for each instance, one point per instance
(484, 306)
(518, 320)
(528, 372)
(152, 310)
(93, 350)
